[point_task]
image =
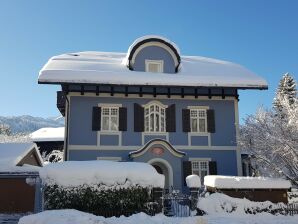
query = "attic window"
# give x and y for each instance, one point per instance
(154, 66)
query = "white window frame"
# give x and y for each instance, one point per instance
(197, 110)
(109, 107)
(157, 62)
(199, 162)
(155, 104)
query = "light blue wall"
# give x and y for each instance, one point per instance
(80, 124)
(154, 53)
(226, 160)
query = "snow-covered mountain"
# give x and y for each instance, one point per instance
(27, 123)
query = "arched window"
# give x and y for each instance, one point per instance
(155, 117)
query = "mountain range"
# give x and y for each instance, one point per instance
(27, 123)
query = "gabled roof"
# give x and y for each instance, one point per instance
(48, 135)
(12, 156)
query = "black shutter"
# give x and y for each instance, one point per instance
(171, 118)
(210, 121)
(212, 168)
(96, 118)
(186, 120)
(138, 118)
(122, 119)
(187, 170)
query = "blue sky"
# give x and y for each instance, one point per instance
(262, 35)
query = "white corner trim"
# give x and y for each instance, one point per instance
(109, 158)
(167, 164)
(238, 151)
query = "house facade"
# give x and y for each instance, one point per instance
(177, 113)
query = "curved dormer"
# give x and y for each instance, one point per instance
(153, 54)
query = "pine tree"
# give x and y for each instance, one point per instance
(286, 91)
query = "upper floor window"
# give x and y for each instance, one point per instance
(198, 120)
(155, 118)
(110, 119)
(154, 66)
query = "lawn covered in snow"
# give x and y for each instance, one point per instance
(76, 217)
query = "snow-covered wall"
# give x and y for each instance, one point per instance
(104, 173)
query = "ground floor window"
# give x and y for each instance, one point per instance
(200, 168)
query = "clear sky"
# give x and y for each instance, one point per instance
(262, 35)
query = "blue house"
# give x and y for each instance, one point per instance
(153, 105)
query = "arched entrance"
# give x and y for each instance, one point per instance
(163, 167)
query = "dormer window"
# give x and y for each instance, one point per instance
(154, 66)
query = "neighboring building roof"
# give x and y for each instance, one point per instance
(111, 68)
(15, 157)
(48, 135)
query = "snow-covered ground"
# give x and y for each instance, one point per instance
(76, 217)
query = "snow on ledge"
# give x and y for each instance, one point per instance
(193, 181)
(235, 182)
(108, 173)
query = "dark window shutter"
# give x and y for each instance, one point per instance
(187, 170)
(96, 118)
(212, 168)
(122, 119)
(210, 121)
(138, 118)
(186, 120)
(171, 118)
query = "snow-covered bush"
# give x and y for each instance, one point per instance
(221, 203)
(54, 156)
(99, 186)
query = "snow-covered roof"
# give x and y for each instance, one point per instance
(235, 182)
(12, 153)
(111, 68)
(48, 134)
(107, 173)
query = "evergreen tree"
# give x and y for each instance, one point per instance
(286, 91)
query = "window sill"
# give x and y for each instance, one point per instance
(199, 133)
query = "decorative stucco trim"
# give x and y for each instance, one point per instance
(167, 164)
(118, 133)
(109, 105)
(238, 150)
(159, 62)
(198, 107)
(153, 142)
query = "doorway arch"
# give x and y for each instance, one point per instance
(162, 166)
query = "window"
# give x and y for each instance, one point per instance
(155, 118)
(200, 168)
(154, 66)
(198, 120)
(110, 119)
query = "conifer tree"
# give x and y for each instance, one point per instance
(286, 91)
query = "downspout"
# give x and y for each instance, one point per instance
(66, 129)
